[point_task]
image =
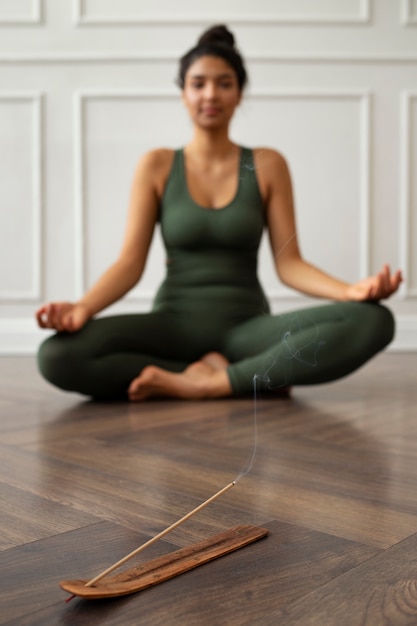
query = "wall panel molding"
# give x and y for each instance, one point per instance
(81, 18)
(20, 336)
(36, 101)
(408, 15)
(129, 56)
(82, 97)
(406, 171)
(365, 101)
(34, 17)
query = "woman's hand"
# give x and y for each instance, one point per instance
(63, 316)
(377, 287)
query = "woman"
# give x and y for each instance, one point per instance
(210, 331)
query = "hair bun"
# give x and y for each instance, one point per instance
(219, 42)
(219, 34)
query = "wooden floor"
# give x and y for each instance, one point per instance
(334, 480)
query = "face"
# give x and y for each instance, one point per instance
(211, 92)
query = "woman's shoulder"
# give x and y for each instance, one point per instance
(268, 157)
(154, 167)
(270, 166)
(157, 158)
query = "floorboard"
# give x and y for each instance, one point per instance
(220, 592)
(333, 477)
(380, 591)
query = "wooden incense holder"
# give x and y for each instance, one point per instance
(165, 567)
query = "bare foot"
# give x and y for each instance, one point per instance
(199, 380)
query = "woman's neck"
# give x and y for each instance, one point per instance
(211, 145)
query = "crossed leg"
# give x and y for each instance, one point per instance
(112, 356)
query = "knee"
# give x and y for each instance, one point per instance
(378, 323)
(55, 362)
(387, 322)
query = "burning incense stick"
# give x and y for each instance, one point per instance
(91, 582)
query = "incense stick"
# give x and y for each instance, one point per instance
(110, 569)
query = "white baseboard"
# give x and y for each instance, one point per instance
(405, 335)
(22, 336)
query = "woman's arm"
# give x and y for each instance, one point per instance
(275, 183)
(126, 271)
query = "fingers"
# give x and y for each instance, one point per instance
(62, 316)
(386, 283)
(41, 317)
(391, 282)
(396, 280)
(54, 318)
(382, 284)
(54, 315)
(384, 277)
(45, 316)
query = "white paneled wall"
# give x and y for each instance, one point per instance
(21, 175)
(13, 12)
(265, 11)
(86, 86)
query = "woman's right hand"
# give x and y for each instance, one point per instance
(63, 316)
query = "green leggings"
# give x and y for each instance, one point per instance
(305, 347)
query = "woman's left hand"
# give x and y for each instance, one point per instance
(377, 287)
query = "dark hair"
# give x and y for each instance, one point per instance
(217, 41)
